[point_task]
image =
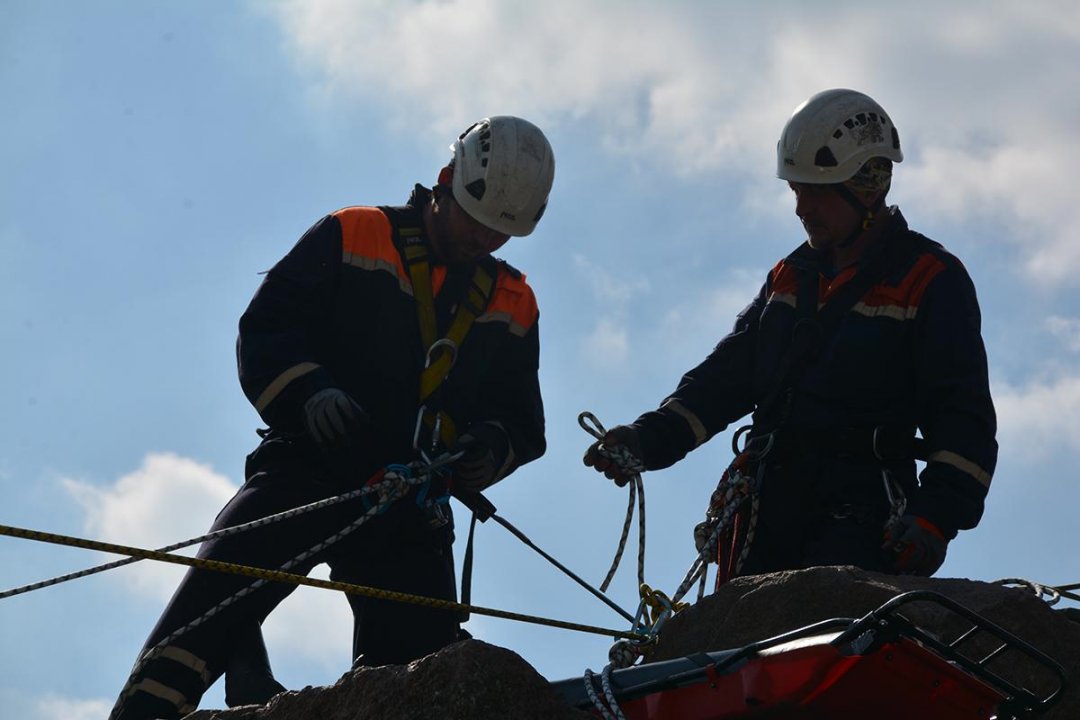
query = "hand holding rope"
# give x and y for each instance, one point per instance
(631, 466)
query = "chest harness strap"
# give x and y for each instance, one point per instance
(439, 357)
(439, 353)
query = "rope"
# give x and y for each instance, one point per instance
(734, 489)
(608, 707)
(1051, 593)
(224, 532)
(294, 579)
(631, 466)
(523, 538)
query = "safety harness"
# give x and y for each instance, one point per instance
(741, 482)
(433, 424)
(440, 353)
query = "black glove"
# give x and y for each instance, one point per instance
(915, 545)
(333, 418)
(485, 448)
(621, 440)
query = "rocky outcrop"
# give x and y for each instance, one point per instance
(475, 680)
(470, 680)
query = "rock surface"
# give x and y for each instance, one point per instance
(470, 680)
(475, 680)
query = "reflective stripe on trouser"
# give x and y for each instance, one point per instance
(396, 547)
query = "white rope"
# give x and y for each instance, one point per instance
(632, 467)
(224, 532)
(392, 486)
(608, 707)
(735, 489)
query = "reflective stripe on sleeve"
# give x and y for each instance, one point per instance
(962, 464)
(698, 427)
(281, 381)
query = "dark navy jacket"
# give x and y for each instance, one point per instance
(338, 311)
(909, 354)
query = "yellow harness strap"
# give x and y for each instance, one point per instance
(441, 353)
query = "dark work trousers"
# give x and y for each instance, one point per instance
(804, 522)
(396, 550)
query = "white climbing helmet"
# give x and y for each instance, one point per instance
(503, 170)
(830, 136)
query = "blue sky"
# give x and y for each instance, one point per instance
(156, 156)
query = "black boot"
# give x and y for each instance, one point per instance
(248, 677)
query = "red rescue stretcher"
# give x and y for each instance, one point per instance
(880, 666)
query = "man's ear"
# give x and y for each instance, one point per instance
(446, 176)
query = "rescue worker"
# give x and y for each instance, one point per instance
(334, 352)
(837, 394)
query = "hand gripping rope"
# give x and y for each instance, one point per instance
(414, 474)
(628, 463)
(654, 608)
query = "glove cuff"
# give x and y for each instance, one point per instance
(929, 527)
(492, 435)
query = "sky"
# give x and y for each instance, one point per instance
(155, 157)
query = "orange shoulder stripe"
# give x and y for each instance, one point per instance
(513, 303)
(367, 242)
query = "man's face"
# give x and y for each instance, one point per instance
(459, 239)
(825, 215)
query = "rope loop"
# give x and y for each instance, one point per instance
(1050, 594)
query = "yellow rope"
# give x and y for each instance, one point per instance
(294, 579)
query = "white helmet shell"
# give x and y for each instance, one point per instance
(830, 136)
(503, 171)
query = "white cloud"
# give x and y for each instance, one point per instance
(608, 343)
(170, 498)
(54, 707)
(312, 625)
(982, 99)
(1041, 418)
(611, 291)
(689, 331)
(1066, 330)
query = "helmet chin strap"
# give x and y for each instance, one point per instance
(868, 213)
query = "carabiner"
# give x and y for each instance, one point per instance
(442, 343)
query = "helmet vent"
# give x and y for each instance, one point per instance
(477, 188)
(825, 157)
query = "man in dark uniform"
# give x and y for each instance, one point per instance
(384, 336)
(838, 393)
